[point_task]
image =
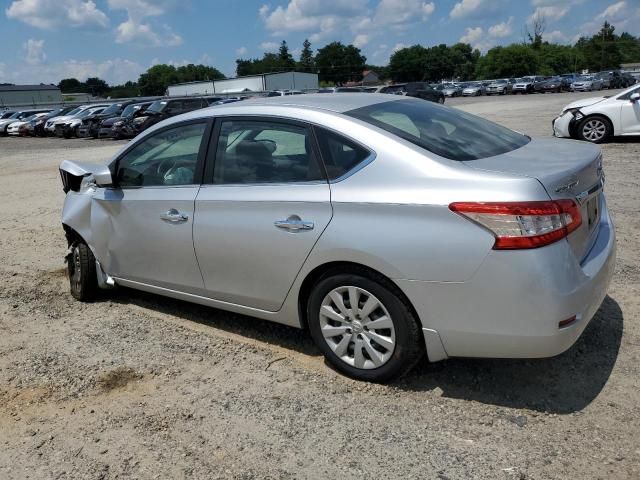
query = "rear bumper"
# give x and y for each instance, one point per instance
(512, 306)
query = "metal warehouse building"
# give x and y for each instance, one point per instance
(253, 83)
(23, 95)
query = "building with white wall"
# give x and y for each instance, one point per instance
(249, 84)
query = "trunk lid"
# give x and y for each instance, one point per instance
(567, 169)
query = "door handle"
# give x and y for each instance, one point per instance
(293, 224)
(174, 216)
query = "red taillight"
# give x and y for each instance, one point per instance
(518, 225)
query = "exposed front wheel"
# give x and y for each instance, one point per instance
(81, 267)
(594, 129)
(363, 328)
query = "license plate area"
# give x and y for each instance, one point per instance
(593, 211)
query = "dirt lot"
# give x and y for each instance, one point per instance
(139, 386)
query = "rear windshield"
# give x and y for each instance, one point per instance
(445, 131)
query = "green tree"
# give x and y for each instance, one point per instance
(156, 79)
(510, 61)
(601, 51)
(306, 63)
(70, 85)
(285, 59)
(340, 63)
(464, 60)
(96, 86)
(408, 64)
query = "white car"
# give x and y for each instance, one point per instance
(14, 128)
(594, 119)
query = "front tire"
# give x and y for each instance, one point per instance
(594, 129)
(81, 266)
(363, 327)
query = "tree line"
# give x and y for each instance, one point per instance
(337, 63)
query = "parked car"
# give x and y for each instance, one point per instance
(598, 118)
(569, 78)
(90, 125)
(49, 126)
(339, 90)
(167, 108)
(19, 115)
(337, 235)
(473, 89)
(523, 85)
(628, 80)
(586, 83)
(416, 90)
(36, 126)
(70, 127)
(116, 127)
(371, 89)
(606, 78)
(554, 84)
(451, 90)
(19, 128)
(499, 87)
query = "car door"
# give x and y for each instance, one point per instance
(630, 113)
(266, 205)
(143, 225)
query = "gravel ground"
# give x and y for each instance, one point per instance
(140, 386)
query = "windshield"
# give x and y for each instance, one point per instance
(114, 108)
(500, 81)
(585, 77)
(87, 112)
(447, 132)
(6, 115)
(74, 111)
(15, 115)
(128, 111)
(157, 107)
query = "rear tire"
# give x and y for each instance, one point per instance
(595, 129)
(354, 351)
(81, 266)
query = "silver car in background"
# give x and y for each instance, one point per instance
(386, 226)
(586, 83)
(474, 89)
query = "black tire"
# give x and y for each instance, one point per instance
(591, 120)
(409, 346)
(81, 267)
(441, 100)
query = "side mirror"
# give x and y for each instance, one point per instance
(72, 174)
(102, 176)
(635, 97)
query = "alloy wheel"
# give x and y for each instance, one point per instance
(357, 327)
(594, 130)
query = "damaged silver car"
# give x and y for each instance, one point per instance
(387, 226)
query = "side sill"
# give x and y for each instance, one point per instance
(209, 302)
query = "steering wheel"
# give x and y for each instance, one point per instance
(163, 167)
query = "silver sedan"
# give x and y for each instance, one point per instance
(388, 227)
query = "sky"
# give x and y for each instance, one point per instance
(117, 40)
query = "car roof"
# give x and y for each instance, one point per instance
(339, 104)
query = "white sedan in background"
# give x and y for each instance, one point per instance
(597, 118)
(14, 128)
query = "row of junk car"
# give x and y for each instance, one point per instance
(126, 119)
(569, 82)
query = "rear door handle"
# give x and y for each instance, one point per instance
(293, 224)
(174, 216)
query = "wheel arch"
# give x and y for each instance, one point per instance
(332, 268)
(605, 116)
